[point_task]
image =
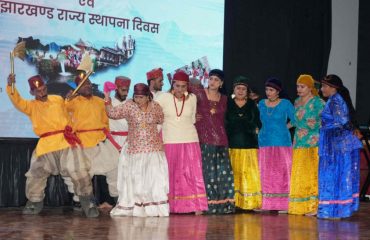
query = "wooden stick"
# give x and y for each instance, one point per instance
(80, 84)
(12, 69)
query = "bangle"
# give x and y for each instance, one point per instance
(107, 102)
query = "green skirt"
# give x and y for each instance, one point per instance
(218, 178)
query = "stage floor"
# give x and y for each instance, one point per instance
(63, 223)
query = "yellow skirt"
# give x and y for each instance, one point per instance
(246, 178)
(303, 197)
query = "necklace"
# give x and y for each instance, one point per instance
(273, 100)
(213, 109)
(240, 112)
(178, 115)
(304, 102)
(270, 111)
(213, 102)
(240, 103)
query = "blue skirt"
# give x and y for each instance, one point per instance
(339, 184)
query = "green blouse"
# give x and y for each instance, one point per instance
(307, 123)
(241, 124)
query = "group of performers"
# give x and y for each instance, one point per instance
(195, 150)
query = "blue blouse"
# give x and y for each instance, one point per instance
(336, 134)
(274, 131)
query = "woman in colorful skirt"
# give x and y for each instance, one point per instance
(242, 125)
(275, 147)
(303, 197)
(217, 172)
(143, 170)
(181, 144)
(339, 151)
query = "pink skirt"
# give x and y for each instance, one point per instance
(187, 190)
(275, 165)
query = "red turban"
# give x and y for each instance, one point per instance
(142, 89)
(154, 73)
(35, 82)
(122, 81)
(180, 76)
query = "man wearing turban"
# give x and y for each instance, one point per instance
(57, 151)
(91, 124)
(155, 81)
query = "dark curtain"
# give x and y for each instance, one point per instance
(363, 64)
(276, 38)
(14, 163)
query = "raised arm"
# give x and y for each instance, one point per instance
(18, 102)
(117, 112)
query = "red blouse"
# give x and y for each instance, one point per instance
(211, 126)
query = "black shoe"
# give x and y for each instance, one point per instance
(89, 206)
(33, 208)
(77, 206)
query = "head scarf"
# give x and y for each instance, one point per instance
(218, 73)
(309, 82)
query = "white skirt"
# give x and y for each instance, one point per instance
(142, 185)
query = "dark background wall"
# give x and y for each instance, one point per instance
(276, 38)
(363, 63)
(287, 38)
(15, 162)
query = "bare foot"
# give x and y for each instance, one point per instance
(197, 213)
(105, 205)
(259, 210)
(311, 214)
(282, 212)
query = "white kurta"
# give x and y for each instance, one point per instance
(156, 94)
(119, 125)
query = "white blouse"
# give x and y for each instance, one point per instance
(178, 128)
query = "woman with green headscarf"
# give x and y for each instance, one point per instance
(242, 124)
